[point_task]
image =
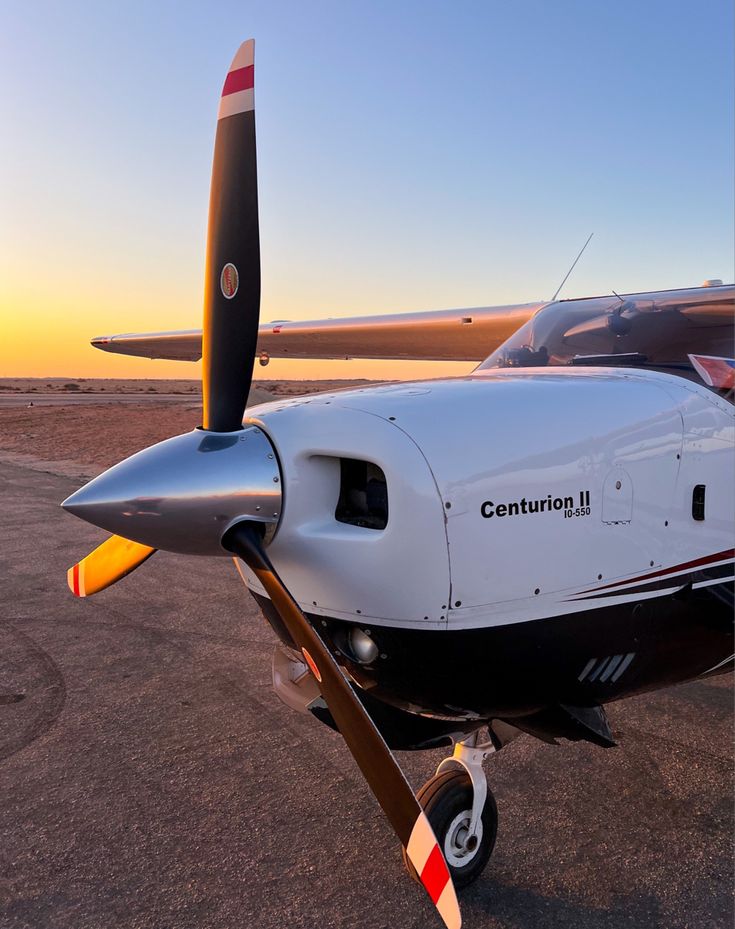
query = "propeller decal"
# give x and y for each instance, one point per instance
(229, 281)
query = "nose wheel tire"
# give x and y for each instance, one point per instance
(447, 802)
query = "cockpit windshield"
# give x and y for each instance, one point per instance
(639, 330)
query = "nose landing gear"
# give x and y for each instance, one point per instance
(461, 810)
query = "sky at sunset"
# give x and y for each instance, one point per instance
(412, 156)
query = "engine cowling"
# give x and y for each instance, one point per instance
(507, 492)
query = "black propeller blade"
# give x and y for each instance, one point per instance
(364, 741)
(232, 276)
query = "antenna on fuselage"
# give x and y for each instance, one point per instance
(558, 289)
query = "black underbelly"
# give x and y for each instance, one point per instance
(581, 659)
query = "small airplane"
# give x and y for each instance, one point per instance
(454, 561)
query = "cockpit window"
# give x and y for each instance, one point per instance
(620, 331)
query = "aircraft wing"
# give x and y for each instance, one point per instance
(437, 335)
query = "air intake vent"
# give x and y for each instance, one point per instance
(363, 495)
(698, 502)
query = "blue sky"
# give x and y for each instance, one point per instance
(411, 155)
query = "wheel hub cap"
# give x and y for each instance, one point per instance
(459, 846)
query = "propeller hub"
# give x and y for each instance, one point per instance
(183, 494)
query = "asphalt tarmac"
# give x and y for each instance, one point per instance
(149, 779)
(60, 399)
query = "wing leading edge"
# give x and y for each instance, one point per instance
(438, 335)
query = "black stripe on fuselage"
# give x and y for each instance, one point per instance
(660, 572)
(693, 578)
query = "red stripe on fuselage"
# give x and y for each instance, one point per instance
(75, 578)
(240, 79)
(697, 563)
(435, 874)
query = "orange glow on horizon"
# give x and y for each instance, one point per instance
(49, 315)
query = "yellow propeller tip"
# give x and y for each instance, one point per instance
(115, 558)
(75, 580)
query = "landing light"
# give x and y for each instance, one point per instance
(362, 646)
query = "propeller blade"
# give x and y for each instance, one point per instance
(232, 274)
(363, 739)
(106, 565)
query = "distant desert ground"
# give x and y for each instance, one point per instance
(79, 427)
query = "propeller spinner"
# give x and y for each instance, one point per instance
(217, 490)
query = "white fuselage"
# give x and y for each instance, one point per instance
(512, 495)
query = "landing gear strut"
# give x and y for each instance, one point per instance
(462, 810)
